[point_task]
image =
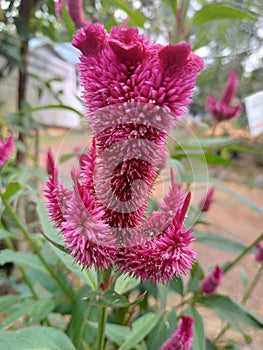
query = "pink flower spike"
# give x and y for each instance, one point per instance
(210, 283)
(206, 202)
(7, 148)
(259, 254)
(223, 110)
(75, 11)
(183, 337)
(50, 163)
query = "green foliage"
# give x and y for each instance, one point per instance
(38, 338)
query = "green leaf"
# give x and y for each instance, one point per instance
(162, 291)
(11, 190)
(66, 157)
(6, 301)
(176, 164)
(211, 142)
(23, 259)
(221, 243)
(177, 285)
(7, 234)
(209, 345)
(162, 331)
(125, 283)
(116, 332)
(244, 278)
(80, 329)
(110, 298)
(35, 338)
(152, 205)
(136, 17)
(199, 332)
(242, 199)
(67, 20)
(231, 311)
(196, 276)
(207, 157)
(20, 309)
(40, 309)
(140, 329)
(219, 11)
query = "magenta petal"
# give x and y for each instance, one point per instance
(7, 148)
(182, 338)
(90, 40)
(210, 283)
(174, 55)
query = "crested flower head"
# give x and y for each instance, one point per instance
(210, 283)
(75, 11)
(124, 66)
(182, 338)
(207, 201)
(7, 148)
(259, 254)
(223, 109)
(134, 91)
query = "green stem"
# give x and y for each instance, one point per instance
(245, 251)
(244, 299)
(252, 285)
(34, 247)
(102, 318)
(102, 315)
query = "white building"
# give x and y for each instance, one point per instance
(52, 80)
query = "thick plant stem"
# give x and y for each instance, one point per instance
(245, 251)
(102, 316)
(34, 247)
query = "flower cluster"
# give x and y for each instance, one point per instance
(134, 92)
(210, 283)
(7, 148)
(223, 109)
(182, 338)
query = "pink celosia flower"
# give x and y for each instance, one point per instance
(124, 67)
(223, 110)
(207, 201)
(135, 91)
(75, 10)
(182, 338)
(7, 148)
(210, 283)
(259, 254)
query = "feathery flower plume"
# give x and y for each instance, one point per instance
(259, 254)
(210, 283)
(207, 201)
(7, 148)
(223, 109)
(134, 91)
(182, 338)
(75, 11)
